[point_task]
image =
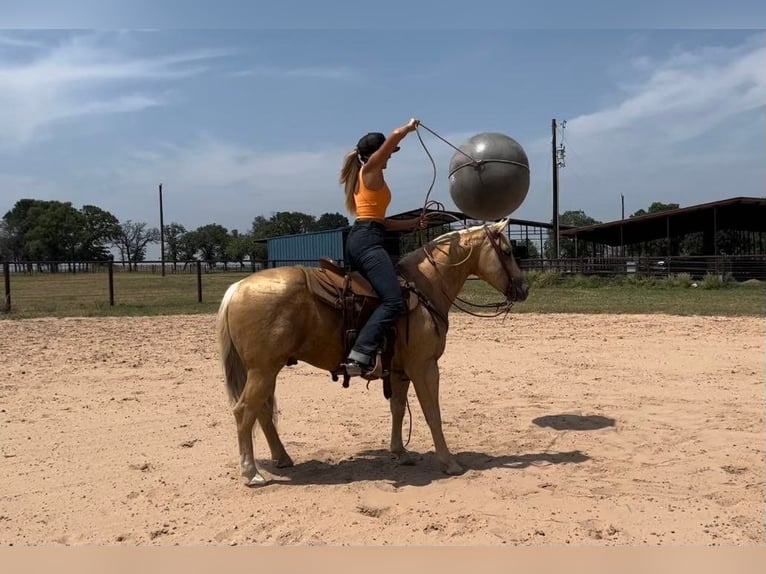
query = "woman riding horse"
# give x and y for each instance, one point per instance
(367, 198)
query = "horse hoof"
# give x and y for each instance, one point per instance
(256, 480)
(454, 469)
(285, 462)
(405, 459)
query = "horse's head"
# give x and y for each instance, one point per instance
(496, 264)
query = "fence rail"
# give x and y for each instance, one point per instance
(739, 267)
(44, 286)
(48, 285)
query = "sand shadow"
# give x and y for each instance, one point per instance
(379, 465)
(574, 422)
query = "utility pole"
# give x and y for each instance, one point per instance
(162, 235)
(555, 191)
(622, 243)
(557, 155)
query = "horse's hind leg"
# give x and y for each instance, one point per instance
(258, 388)
(399, 387)
(269, 428)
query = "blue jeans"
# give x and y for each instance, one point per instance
(366, 254)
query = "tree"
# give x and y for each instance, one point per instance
(40, 229)
(211, 242)
(173, 238)
(19, 221)
(656, 207)
(659, 247)
(239, 246)
(100, 228)
(328, 221)
(262, 228)
(132, 239)
(5, 242)
(291, 223)
(568, 248)
(55, 232)
(188, 246)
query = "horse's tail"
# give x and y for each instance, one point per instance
(234, 372)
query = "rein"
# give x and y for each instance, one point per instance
(501, 307)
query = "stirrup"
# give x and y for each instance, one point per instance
(355, 369)
(377, 371)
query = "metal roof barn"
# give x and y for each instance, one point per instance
(306, 248)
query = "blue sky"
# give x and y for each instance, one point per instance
(243, 122)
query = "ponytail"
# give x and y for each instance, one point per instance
(349, 177)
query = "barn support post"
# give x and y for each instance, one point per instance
(622, 241)
(7, 276)
(715, 239)
(667, 231)
(526, 234)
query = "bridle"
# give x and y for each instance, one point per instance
(511, 292)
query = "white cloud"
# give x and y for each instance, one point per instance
(78, 78)
(688, 128)
(686, 95)
(681, 130)
(17, 41)
(211, 179)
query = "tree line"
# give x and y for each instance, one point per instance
(57, 231)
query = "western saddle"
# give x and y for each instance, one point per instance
(351, 294)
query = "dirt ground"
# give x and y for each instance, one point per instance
(574, 429)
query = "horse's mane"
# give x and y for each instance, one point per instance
(443, 239)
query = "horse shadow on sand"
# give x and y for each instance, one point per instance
(380, 465)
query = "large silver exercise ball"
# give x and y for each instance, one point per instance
(496, 183)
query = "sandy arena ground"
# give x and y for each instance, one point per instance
(573, 429)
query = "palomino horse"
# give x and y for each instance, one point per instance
(272, 318)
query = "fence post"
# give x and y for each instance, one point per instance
(7, 275)
(199, 281)
(111, 283)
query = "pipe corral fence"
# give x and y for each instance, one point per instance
(41, 285)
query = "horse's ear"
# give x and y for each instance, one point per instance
(501, 225)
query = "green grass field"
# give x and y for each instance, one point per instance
(87, 294)
(731, 301)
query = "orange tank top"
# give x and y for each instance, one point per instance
(371, 203)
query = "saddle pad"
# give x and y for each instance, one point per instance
(328, 287)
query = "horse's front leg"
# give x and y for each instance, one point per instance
(400, 385)
(425, 379)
